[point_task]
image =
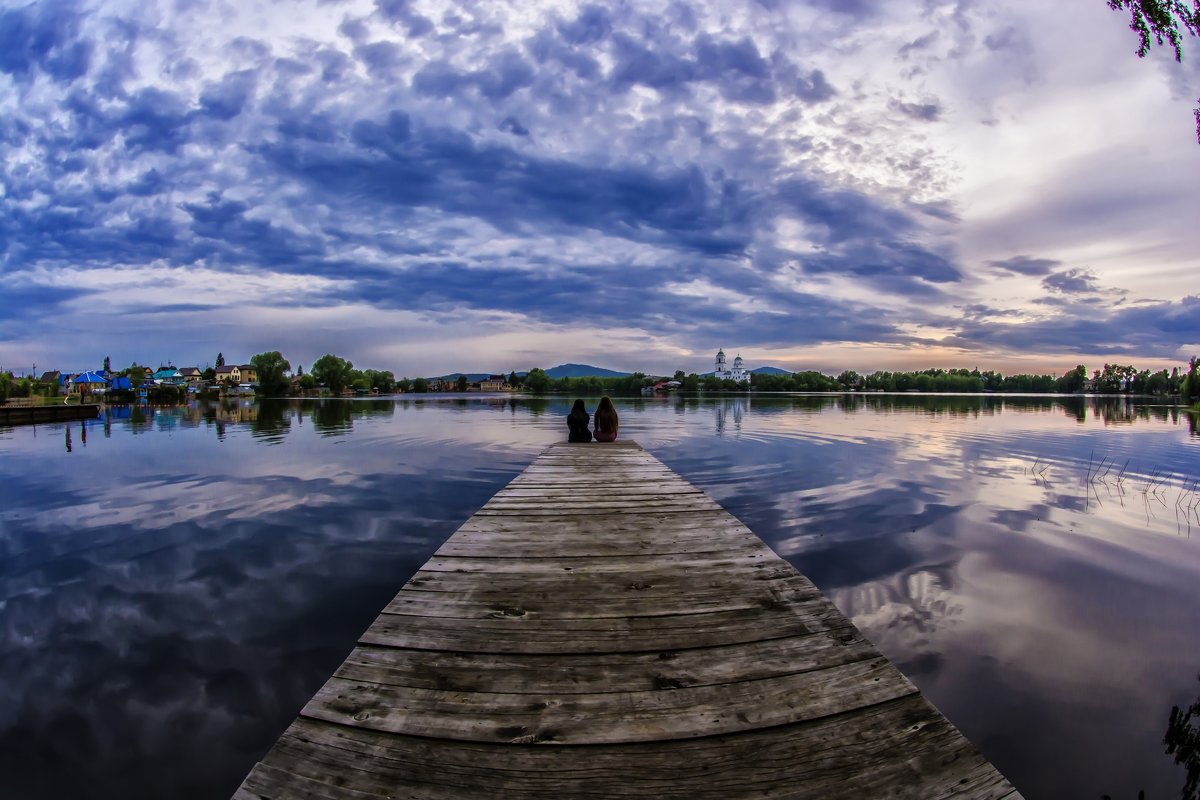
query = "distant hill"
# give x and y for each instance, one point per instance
(473, 377)
(584, 371)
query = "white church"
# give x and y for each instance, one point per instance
(738, 374)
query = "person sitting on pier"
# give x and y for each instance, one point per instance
(577, 423)
(606, 421)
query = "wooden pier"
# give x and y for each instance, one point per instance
(25, 414)
(601, 628)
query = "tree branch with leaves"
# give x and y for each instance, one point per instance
(1164, 21)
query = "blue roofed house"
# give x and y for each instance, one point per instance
(120, 383)
(88, 383)
(169, 376)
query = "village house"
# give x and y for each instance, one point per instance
(168, 376)
(88, 383)
(494, 383)
(192, 375)
(229, 373)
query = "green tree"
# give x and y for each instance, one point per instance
(1073, 381)
(382, 381)
(220, 360)
(272, 371)
(209, 374)
(107, 365)
(513, 380)
(404, 385)
(537, 381)
(850, 381)
(1190, 389)
(307, 383)
(335, 373)
(136, 374)
(420, 385)
(1161, 20)
(460, 383)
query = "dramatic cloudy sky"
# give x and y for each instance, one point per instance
(427, 186)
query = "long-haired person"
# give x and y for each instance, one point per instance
(606, 420)
(577, 423)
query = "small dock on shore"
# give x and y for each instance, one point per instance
(26, 414)
(602, 628)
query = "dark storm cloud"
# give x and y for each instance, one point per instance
(225, 99)
(505, 74)
(400, 12)
(927, 112)
(921, 43)
(382, 59)
(663, 61)
(23, 303)
(226, 233)
(513, 125)
(446, 169)
(594, 24)
(1026, 265)
(1156, 329)
(860, 236)
(43, 37)
(850, 8)
(1070, 281)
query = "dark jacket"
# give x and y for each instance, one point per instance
(578, 425)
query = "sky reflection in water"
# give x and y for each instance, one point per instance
(174, 586)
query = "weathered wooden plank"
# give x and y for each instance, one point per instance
(609, 717)
(663, 524)
(269, 782)
(454, 559)
(651, 582)
(605, 672)
(900, 749)
(554, 510)
(582, 487)
(603, 549)
(513, 544)
(523, 634)
(630, 597)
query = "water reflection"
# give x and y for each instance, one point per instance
(183, 583)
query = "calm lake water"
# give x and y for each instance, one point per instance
(175, 584)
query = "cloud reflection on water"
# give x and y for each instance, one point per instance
(182, 582)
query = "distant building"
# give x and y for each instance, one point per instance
(229, 373)
(738, 374)
(88, 383)
(494, 383)
(192, 375)
(168, 376)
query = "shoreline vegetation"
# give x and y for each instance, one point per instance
(331, 375)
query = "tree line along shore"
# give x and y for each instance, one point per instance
(333, 375)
